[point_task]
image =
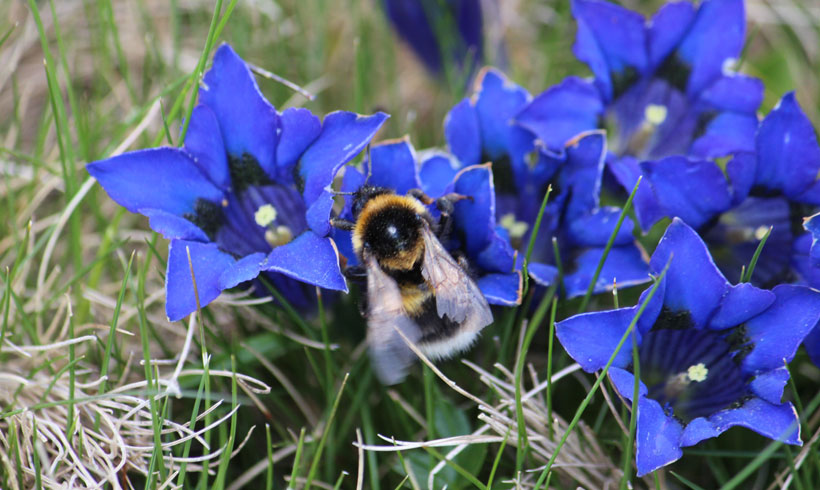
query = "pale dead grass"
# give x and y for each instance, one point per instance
(91, 438)
(581, 459)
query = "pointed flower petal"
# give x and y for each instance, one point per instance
(657, 439)
(692, 190)
(591, 338)
(498, 100)
(208, 263)
(741, 303)
(562, 111)
(626, 171)
(204, 143)
(309, 258)
(583, 171)
(715, 36)
(798, 307)
(248, 122)
(299, 128)
(788, 155)
(611, 40)
(172, 226)
(501, 289)
(690, 264)
(158, 178)
(475, 217)
(666, 29)
(463, 134)
(242, 270)
(393, 165)
(775, 421)
(437, 174)
(343, 136)
(624, 266)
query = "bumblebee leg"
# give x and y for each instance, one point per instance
(363, 306)
(445, 205)
(461, 259)
(356, 273)
(342, 224)
(421, 196)
(447, 200)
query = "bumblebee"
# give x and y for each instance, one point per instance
(413, 283)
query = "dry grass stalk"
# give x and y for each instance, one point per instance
(581, 458)
(93, 439)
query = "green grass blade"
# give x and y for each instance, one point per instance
(269, 471)
(297, 458)
(106, 359)
(225, 457)
(633, 415)
(751, 269)
(535, 323)
(317, 457)
(459, 469)
(497, 459)
(550, 343)
(686, 482)
(533, 236)
(7, 34)
(200, 68)
(186, 450)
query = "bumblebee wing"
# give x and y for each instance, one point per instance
(390, 354)
(457, 296)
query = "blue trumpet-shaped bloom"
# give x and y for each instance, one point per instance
(774, 186)
(662, 86)
(812, 224)
(248, 193)
(441, 32)
(479, 129)
(711, 354)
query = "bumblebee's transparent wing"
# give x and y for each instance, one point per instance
(389, 352)
(457, 296)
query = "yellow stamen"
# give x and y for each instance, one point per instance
(281, 235)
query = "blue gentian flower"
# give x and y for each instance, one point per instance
(394, 164)
(812, 224)
(661, 86)
(442, 33)
(246, 194)
(775, 186)
(478, 129)
(711, 354)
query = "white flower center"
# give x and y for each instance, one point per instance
(516, 229)
(655, 114)
(265, 215)
(697, 373)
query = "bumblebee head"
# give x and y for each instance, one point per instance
(389, 227)
(364, 194)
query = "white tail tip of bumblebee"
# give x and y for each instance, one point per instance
(450, 346)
